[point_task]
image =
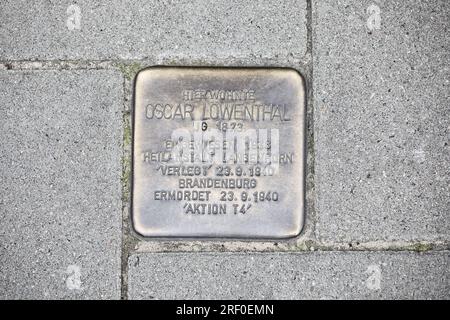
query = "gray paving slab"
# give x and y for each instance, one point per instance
(382, 122)
(60, 165)
(310, 275)
(123, 29)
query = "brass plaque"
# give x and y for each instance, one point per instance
(218, 153)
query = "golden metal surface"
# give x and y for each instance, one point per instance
(218, 153)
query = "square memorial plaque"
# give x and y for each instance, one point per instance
(218, 153)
